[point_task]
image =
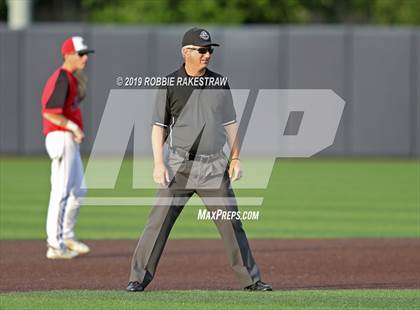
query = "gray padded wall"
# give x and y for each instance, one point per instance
(375, 70)
(317, 60)
(10, 109)
(121, 52)
(254, 57)
(381, 92)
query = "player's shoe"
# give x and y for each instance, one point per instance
(259, 286)
(134, 286)
(53, 253)
(76, 246)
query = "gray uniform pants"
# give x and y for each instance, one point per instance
(211, 182)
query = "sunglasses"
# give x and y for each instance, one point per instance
(81, 54)
(202, 50)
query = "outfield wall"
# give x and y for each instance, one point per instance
(376, 70)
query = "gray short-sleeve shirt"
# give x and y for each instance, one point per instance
(195, 111)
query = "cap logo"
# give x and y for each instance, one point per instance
(204, 35)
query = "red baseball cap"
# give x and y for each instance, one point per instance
(75, 45)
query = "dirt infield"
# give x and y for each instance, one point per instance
(202, 264)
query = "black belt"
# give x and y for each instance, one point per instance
(199, 157)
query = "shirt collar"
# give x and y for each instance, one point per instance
(183, 72)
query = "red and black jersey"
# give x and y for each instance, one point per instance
(60, 97)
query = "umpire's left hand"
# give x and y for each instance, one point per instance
(235, 172)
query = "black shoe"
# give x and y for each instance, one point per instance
(134, 286)
(259, 286)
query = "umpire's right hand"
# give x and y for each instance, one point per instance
(161, 175)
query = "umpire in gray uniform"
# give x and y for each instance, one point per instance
(195, 117)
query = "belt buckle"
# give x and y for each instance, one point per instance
(197, 157)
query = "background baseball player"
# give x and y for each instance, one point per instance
(63, 128)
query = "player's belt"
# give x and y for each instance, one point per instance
(199, 157)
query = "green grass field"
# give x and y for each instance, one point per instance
(309, 198)
(296, 300)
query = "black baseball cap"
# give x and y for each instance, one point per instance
(197, 36)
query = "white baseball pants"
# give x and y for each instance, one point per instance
(67, 187)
